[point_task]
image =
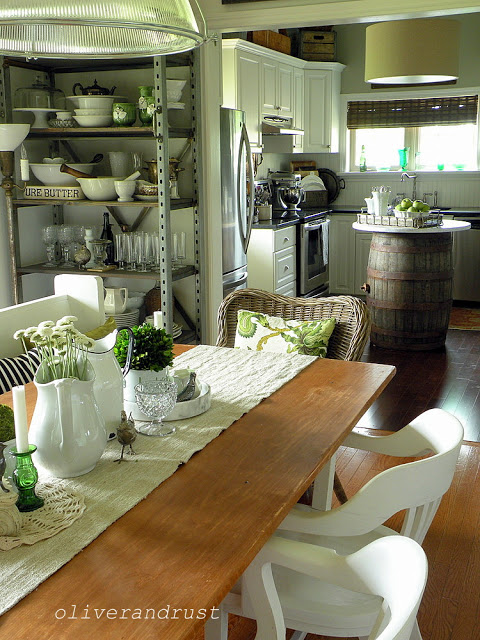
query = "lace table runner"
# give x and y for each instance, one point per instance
(239, 380)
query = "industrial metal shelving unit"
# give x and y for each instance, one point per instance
(160, 133)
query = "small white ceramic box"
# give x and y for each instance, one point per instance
(54, 193)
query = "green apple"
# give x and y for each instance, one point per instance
(426, 208)
(413, 210)
(418, 204)
(406, 202)
(400, 208)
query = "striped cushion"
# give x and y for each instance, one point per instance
(18, 370)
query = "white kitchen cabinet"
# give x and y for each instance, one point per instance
(272, 260)
(277, 88)
(362, 251)
(298, 108)
(349, 251)
(241, 87)
(341, 254)
(322, 108)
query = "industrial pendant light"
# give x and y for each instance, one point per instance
(98, 28)
(412, 51)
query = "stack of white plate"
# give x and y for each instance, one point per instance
(176, 328)
(127, 319)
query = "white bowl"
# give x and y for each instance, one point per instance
(94, 121)
(12, 135)
(135, 302)
(174, 90)
(95, 102)
(50, 174)
(93, 112)
(101, 188)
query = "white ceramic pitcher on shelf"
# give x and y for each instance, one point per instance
(116, 300)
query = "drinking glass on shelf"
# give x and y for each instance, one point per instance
(66, 235)
(78, 236)
(156, 399)
(174, 248)
(49, 237)
(120, 252)
(181, 248)
(155, 251)
(129, 250)
(142, 243)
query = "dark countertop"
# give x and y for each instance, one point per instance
(275, 223)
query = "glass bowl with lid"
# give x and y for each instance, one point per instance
(39, 95)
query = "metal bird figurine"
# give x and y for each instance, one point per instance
(126, 434)
(3, 464)
(187, 393)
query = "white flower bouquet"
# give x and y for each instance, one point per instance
(62, 349)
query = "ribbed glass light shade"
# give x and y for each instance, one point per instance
(97, 28)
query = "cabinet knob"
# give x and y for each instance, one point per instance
(286, 267)
(365, 287)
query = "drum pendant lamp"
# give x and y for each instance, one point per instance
(418, 51)
(98, 28)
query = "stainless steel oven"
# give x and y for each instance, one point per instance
(312, 255)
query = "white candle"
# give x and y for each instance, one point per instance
(24, 169)
(158, 319)
(20, 415)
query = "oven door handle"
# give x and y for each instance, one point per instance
(312, 226)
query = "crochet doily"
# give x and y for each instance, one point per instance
(62, 507)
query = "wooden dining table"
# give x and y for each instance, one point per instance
(186, 544)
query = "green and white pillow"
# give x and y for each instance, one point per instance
(261, 332)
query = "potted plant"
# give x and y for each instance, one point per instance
(152, 355)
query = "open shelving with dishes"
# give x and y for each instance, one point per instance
(128, 216)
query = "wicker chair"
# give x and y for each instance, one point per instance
(347, 341)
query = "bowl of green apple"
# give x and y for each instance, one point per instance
(409, 209)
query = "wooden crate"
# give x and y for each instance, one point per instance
(317, 45)
(272, 40)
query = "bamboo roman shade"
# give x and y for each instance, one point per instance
(421, 112)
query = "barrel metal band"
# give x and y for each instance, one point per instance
(387, 248)
(402, 275)
(409, 306)
(407, 334)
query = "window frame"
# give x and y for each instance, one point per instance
(346, 148)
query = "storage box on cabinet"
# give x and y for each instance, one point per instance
(317, 45)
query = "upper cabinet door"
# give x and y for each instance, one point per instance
(277, 87)
(269, 82)
(322, 107)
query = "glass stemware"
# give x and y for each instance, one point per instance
(66, 236)
(181, 248)
(156, 399)
(49, 237)
(120, 252)
(142, 250)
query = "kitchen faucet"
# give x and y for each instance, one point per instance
(414, 178)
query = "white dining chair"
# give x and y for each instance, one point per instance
(374, 592)
(416, 487)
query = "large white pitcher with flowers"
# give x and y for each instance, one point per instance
(67, 427)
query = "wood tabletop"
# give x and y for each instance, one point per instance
(185, 545)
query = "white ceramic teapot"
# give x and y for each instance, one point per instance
(115, 300)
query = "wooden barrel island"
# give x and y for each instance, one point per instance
(409, 284)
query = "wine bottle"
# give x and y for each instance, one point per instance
(107, 234)
(363, 159)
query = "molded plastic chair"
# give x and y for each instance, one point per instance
(374, 592)
(347, 341)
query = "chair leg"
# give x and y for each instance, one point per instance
(339, 490)
(416, 635)
(217, 628)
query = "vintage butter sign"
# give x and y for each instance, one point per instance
(54, 193)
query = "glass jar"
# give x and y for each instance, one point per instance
(39, 96)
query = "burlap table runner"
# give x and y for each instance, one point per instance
(239, 380)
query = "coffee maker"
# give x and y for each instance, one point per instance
(286, 193)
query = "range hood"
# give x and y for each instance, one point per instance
(278, 126)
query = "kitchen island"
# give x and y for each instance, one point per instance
(409, 284)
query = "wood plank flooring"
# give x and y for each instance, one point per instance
(448, 378)
(450, 609)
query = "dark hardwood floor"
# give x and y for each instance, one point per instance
(448, 378)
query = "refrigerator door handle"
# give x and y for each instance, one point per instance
(245, 238)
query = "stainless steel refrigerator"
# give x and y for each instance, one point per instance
(237, 209)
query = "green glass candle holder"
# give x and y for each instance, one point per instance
(25, 478)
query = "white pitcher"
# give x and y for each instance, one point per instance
(108, 386)
(66, 426)
(116, 300)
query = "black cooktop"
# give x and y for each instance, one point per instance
(303, 214)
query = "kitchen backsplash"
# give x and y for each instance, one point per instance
(454, 189)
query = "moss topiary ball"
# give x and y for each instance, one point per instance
(7, 424)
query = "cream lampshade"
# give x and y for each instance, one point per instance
(412, 51)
